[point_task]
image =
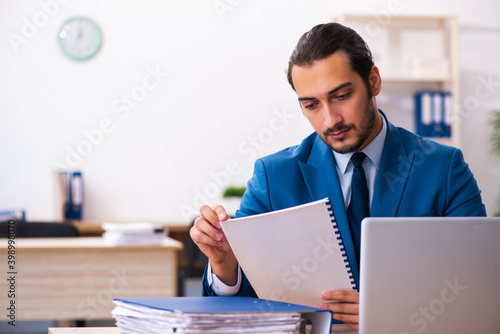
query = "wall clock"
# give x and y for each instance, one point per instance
(80, 38)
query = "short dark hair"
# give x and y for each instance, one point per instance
(324, 40)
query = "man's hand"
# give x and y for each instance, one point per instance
(207, 234)
(345, 307)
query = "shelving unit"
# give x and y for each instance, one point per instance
(413, 53)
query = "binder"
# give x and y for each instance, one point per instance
(448, 113)
(71, 187)
(433, 113)
(216, 315)
(76, 197)
(292, 255)
(19, 215)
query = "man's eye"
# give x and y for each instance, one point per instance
(343, 96)
(310, 106)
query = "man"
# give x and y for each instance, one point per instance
(392, 172)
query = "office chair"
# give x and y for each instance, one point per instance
(38, 230)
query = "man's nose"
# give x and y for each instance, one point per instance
(331, 117)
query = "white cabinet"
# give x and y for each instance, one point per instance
(413, 54)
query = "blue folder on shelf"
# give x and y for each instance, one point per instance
(433, 113)
(217, 315)
(71, 185)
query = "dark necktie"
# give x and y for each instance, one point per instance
(359, 207)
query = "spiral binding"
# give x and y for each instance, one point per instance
(341, 243)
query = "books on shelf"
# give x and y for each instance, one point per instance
(70, 193)
(116, 234)
(433, 113)
(193, 315)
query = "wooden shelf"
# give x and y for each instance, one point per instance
(397, 18)
(411, 80)
(413, 53)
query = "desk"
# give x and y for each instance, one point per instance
(77, 278)
(84, 330)
(176, 230)
(115, 330)
(94, 228)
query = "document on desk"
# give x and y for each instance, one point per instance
(291, 255)
(201, 315)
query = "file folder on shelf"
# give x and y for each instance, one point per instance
(71, 187)
(217, 315)
(433, 113)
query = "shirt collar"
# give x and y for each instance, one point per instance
(372, 150)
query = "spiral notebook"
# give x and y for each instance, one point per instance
(292, 255)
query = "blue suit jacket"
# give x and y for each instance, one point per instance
(416, 178)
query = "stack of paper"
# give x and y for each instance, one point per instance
(133, 234)
(192, 315)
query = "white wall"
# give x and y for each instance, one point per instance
(224, 102)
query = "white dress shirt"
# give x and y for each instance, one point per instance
(344, 168)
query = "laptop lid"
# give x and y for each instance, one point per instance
(430, 275)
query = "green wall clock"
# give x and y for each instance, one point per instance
(80, 38)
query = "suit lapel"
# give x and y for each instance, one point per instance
(321, 178)
(322, 181)
(394, 170)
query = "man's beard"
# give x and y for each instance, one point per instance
(363, 133)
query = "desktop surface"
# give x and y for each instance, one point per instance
(115, 330)
(78, 278)
(84, 330)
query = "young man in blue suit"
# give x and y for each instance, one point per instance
(336, 82)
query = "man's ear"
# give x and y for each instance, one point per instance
(375, 80)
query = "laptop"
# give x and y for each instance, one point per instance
(430, 275)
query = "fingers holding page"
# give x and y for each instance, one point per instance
(207, 233)
(341, 295)
(344, 305)
(220, 212)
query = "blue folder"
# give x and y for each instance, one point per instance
(321, 319)
(433, 114)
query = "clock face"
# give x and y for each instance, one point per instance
(79, 38)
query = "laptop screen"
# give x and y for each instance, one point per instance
(430, 275)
